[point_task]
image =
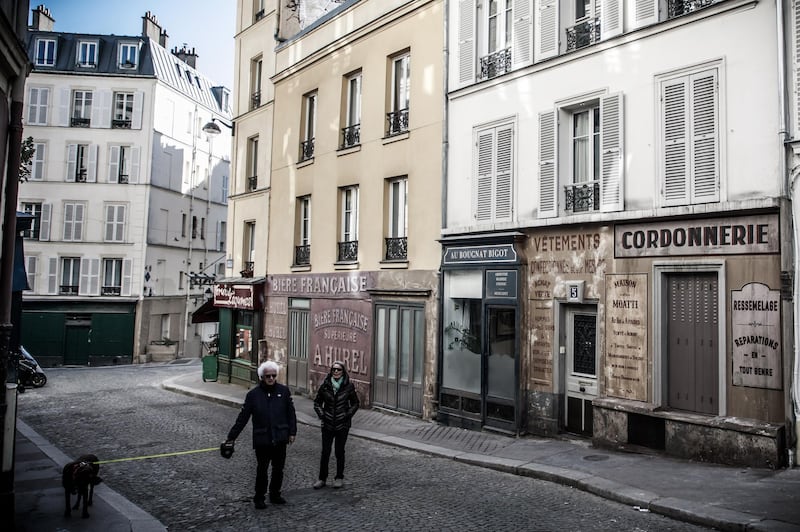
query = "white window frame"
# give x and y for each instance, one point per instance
(71, 272)
(86, 54)
(82, 101)
(684, 147)
(503, 19)
(112, 273)
(123, 162)
(353, 115)
(250, 240)
(45, 52)
(349, 214)
(310, 115)
(74, 217)
(126, 51)
(38, 161)
(38, 105)
(592, 139)
(401, 82)
(34, 208)
(398, 207)
(304, 229)
(114, 225)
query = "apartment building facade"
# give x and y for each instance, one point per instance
(127, 192)
(624, 271)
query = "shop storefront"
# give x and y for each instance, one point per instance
(240, 303)
(482, 307)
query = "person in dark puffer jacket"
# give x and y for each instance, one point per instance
(335, 405)
(274, 425)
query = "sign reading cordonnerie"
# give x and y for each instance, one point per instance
(480, 254)
(756, 337)
(742, 235)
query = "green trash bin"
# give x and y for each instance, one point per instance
(210, 368)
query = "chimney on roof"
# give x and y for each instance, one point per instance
(163, 38)
(42, 20)
(187, 56)
(150, 27)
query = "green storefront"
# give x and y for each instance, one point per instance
(87, 334)
(241, 318)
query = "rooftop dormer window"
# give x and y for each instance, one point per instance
(87, 54)
(45, 52)
(128, 55)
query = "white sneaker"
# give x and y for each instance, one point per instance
(338, 483)
(319, 484)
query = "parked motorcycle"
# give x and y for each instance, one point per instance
(29, 372)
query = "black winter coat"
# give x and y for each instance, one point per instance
(272, 410)
(336, 410)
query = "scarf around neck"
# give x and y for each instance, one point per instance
(336, 383)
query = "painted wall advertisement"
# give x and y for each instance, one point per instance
(756, 342)
(626, 336)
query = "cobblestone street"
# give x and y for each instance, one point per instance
(119, 412)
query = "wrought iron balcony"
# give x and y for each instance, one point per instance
(120, 124)
(302, 255)
(307, 149)
(252, 183)
(68, 290)
(77, 121)
(495, 64)
(351, 136)
(398, 122)
(259, 15)
(583, 34)
(397, 248)
(249, 267)
(582, 197)
(348, 251)
(677, 8)
(80, 176)
(123, 179)
(255, 100)
(110, 291)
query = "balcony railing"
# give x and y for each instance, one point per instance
(583, 34)
(307, 149)
(348, 251)
(110, 291)
(80, 176)
(122, 179)
(397, 248)
(68, 290)
(676, 8)
(252, 183)
(120, 124)
(582, 197)
(351, 136)
(248, 269)
(77, 121)
(495, 64)
(255, 100)
(398, 122)
(302, 255)
(258, 16)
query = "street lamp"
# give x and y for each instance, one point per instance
(211, 128)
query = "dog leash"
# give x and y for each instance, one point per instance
(156, 456)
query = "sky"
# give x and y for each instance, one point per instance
(206, 25)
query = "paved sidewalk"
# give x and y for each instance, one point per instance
(723, 497)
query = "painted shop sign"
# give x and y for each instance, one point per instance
(756, 342)
(501, 284)
(480, 254)
(715, 236)
(341, 330)
(320, 285)
(238, 296)
(626, 336)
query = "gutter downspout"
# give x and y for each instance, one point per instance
(446, 110)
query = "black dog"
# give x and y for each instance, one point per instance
(80, 477)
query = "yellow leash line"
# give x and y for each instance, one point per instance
(156, 455)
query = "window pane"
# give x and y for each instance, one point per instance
(380, 348)
(462, 331)
(392, 358)
(405, 343)
(419, 344)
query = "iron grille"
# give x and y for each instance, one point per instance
(79, 122)
(582, 197)
(348, 251)
(398, 122)
(68, 289)
(120, 124)
(677, 8)
(584, 344)
(110, 291)
(495, 64)
(583, 34)
(302, 255)
(397, 248)
(307, 149)
(248, 269)
(252, 183)
(123, 179)
(351, 136)
(255, 100)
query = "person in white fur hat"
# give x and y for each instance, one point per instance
(271, 407)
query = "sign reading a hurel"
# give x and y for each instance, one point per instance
(756, 342)
(626, 336)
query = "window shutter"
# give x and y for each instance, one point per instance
(69, 216)
(705, 143)
(83, 288)
(94, 277)
(113, 164)
(611, 153)
(504, 178)
(522, 29)
(482, 188)
(134, 166)
(91, 167)
(109, 236)
(78, 223)
(52, 276)
(127, 267)
(33, 105)
(44, 228)
(645, 12)
(797, 63)
(63, 106)
(548, 182)
(31, 262)
(119, 226)
(138, 104)
(466, 42)
(611, 18)
(675, 123)
(104, 98)
(547, 24)
(72, 161)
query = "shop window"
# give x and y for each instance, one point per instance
(244, 336)
(461, 341)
